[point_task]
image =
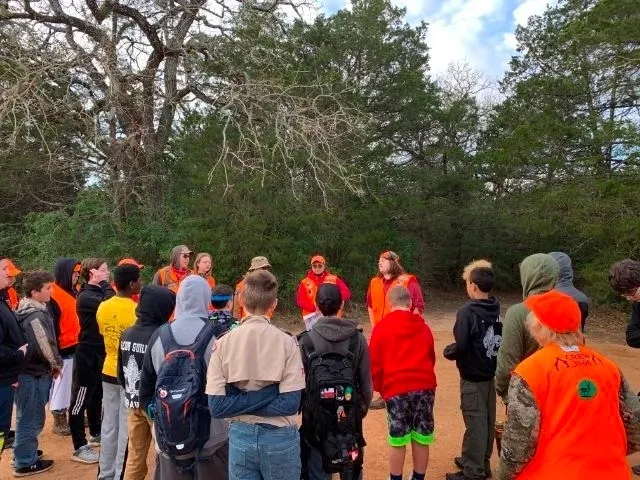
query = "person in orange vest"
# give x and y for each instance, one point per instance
(391, 274)
(571, 414)
(62, 307)
(173, 274)
(129, 261)
(12, 295)
(306, 296)
(203, 266)
(257, 263)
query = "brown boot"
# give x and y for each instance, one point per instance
(60, 424)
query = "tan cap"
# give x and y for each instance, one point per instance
(259, 262)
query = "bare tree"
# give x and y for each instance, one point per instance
(132, 64)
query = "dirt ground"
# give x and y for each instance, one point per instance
(605, 332)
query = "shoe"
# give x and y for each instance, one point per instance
(9, 439)
(38, 467)
(456, 476)
(458, 462)
(636, 469)
(94, 441)
(377, 404)
(60, 424)
(85, 454)
(13, 458)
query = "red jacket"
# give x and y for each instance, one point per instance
(402, 355)
(303, 300)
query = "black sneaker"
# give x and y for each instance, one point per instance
(38, 467)
(39, 452)
(458, 462)
(456, 476)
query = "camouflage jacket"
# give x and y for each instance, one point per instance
(522, 427)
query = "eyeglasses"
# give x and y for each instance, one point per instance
(317, 265)
(632, 295)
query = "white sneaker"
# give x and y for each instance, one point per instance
(85, 454)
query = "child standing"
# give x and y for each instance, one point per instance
(478, 334)
(221, 315)
(402, 367)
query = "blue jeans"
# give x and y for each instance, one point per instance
(263, 452)
(32, 396)
(6, 410)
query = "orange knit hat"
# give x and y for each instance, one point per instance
(556, 310)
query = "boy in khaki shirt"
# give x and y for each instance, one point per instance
(255, 379)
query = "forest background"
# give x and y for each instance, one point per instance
(240, 128)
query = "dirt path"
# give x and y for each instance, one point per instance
(607, 336)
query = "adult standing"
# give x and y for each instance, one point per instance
(86, 391)
(257, 263)
(565, 284)
(203, 266)
(308, 288)
(62, 307)
(12, 294)
(173, 274)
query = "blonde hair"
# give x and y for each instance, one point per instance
(199, 257)
(260, 292)
(399, 296)
(544, 335)
(466, 273)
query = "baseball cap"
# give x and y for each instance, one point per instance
(12, 270)
(556, 310)
(130, 261)
(258, 263)
(318, 259)
(329, 296)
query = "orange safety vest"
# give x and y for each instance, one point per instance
(168, 279)
(312, 289)
(379, 303)
(581, 431)
(14, 300)
(69, 324)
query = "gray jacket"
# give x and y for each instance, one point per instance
(37, 325)
(565, 283)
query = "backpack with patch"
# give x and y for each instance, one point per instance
(182, 419)
(332, 407)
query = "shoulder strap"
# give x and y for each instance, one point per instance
(353, 346)
(167, 339)
(203, 338)
(307, 343)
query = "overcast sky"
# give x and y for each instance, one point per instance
(480, 32)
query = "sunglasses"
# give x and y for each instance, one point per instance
(317, 265)
(186, 255)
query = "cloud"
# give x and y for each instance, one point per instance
(527, 9)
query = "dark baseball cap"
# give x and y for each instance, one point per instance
(329, 296)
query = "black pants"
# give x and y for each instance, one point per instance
(478, 405)
(86, 394)
(6, 410)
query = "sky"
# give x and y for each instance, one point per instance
(478, 32)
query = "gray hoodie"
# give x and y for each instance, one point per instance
(191, 315)
(565, 283)
(332, 334)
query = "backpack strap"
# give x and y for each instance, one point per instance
(307, 343)
(203, 338)
(352, 349)
(169, 342)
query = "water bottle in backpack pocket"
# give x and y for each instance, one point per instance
(182, 420)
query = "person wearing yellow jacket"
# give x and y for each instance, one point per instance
(114, 316)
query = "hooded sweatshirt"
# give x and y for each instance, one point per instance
(191, 315)
(154, 309)
(565, 284)
(63, 286)
(332, 334)
(538, 274)
(402, 354)
(478, 335)
(37, 325)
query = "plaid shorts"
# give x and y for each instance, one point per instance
(410, 418)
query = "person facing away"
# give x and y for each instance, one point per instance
(13, 351)
(571, 414)
(329, 336)
(86, 389)
(221, 304)
(173, 274)
(402, 367)
(34, 383)
(154, 309)
(478, 334)
(255, 379)
(191, 322)
(257, 263)
(565, 284)
(538, 274)
(114, 316)
(308, 288)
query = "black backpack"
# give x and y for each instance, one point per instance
(332, 408)
(182, 419)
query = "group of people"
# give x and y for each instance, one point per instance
(199, 371)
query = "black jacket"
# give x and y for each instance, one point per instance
(478, 335)
(154, 309)
(63, 276)
(633, 329)
(11, 338)
(90, 352)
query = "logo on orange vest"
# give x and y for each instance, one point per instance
(587, 390)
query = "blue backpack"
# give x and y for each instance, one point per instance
(182, 419)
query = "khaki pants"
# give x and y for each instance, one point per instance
(139, 428)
